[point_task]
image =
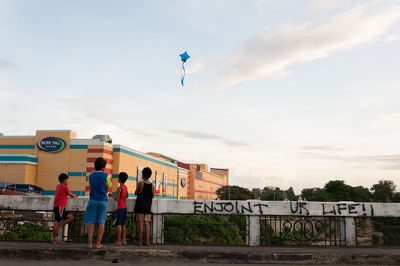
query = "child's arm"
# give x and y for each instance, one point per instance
(108, 183)
(153, 191)
(70, 194)
(138, 187)
(117, 194)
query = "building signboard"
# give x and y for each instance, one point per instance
(51, 144)
(183, 182)
(139, 174)
(165, 183)
(157, 182)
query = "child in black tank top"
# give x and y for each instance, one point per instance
(145, 194)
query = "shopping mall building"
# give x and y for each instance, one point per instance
(39, 159)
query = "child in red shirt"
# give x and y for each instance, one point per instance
(120, 197)
(60, 200)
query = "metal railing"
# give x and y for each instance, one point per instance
(301, 230)
(205, 229)
(378, 231)
(38, 226)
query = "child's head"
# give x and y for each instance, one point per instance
(100, 164)
(63, 178)
(146, 173)
(122, 177)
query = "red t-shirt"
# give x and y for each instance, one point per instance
(121, 204)
(60, 199)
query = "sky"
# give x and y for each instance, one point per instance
(283, 93)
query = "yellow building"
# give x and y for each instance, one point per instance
(202, 182)
(39, 159)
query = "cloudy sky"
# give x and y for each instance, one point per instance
(284, 93)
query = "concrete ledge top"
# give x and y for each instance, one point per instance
(224, 207)
(215, 254)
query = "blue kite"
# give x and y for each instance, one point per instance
(184, 58)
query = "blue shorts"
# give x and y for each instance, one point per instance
(121, 216)
(96, 212)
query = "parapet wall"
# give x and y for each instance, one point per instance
(248, 208)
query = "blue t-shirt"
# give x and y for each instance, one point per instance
(98, 186)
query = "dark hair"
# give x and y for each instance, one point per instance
(123, 177)
(62, 177)
(99, 164)
(146, 173)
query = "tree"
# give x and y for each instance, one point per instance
(396, 197)
(361, 194)
(315, 194)
(290, 194)
(383, 191)
(234, 193)
(338, 190)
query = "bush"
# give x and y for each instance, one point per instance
(28, 231)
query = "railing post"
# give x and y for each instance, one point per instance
(342, 231)
(253, 235)
(158, 229)
(65, 233)
(351, 235)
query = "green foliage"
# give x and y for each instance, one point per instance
(376, 239)
(315, 194)
(338, 190)
(360, 194)
(396, 197)
(234, 193)
(383, 191)
(205, 229)
(28, 231)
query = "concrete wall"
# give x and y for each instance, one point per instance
(248, 208)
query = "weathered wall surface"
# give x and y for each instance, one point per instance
(251, 207)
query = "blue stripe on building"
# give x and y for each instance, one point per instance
(135, 179)
(53, 192)
(132, 178)
(131, 195)
(165, 197)
(144, 157)
(17, 146)
(78, 147)
(76, 173)
(18, 159)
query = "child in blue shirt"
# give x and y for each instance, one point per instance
(96, 210)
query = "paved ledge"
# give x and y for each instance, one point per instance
(209, 254)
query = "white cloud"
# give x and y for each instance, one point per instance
(384, 120)
(330, 5)
(394, 37)
(195, 67)
(6, 65)
(270, 54)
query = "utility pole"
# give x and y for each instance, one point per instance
(82, 165)
(5, 179)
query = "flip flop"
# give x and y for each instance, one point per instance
(116, 244)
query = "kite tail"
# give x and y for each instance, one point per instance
(183, 72)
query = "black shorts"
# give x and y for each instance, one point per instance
(60, 213)
(121, 216)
